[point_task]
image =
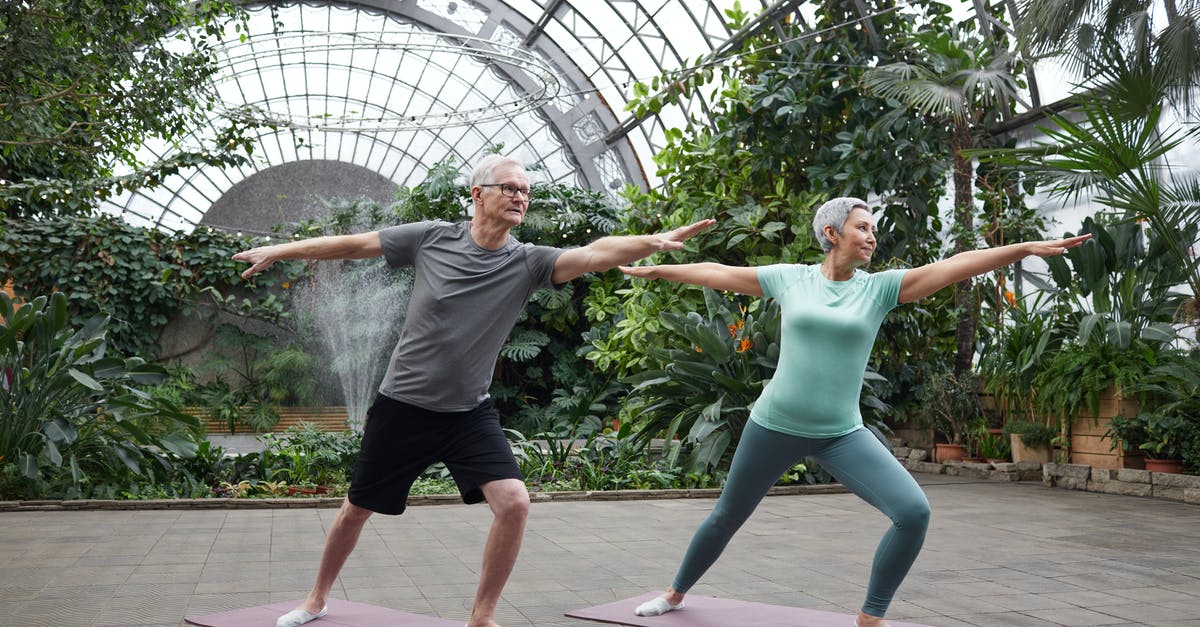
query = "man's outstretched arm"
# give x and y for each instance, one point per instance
(618, 250)
(358, 246)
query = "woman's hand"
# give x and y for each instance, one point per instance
(1054, 247)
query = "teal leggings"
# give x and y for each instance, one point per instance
(859, 461)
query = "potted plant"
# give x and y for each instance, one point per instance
(992, 447)
(1127, 433)
(952, 404)
(1030, 441)
(1165, 436)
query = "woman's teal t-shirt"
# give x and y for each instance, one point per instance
(828, 329)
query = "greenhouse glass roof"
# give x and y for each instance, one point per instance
(365, 96)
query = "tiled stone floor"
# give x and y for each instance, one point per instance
(997, 554)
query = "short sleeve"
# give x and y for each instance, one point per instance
(400, 242)
(885, 287)
(771, 279)
(540, 260)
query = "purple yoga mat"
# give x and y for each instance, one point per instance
(341, 613)
(701, 611)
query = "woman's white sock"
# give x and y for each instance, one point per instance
(656, 606)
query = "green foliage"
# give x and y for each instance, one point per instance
(74, 412)
(991, 446)
(790, 128)
(1129, 284)
(1172, 388)
(139, 278)
(715, 368)
(1033, 434)
(599, 461)
(1028, 336)
(1116, 147)
(87, 82)
(247, 377)
(309, 456)
(952, 404)
(1076, 376)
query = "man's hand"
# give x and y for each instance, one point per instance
(621, 250)
(259, 259)
(673, 240)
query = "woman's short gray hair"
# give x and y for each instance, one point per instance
(485, 170)
(834, 213)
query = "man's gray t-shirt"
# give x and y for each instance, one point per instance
(465, 300)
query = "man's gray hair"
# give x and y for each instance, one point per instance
(834, 213)
(486, 168)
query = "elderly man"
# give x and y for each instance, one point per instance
(471, 281)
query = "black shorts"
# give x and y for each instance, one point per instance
(400, 441)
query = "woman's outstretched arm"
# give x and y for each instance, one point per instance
(921, 282)
(707, 274)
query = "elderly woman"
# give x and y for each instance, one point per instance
(830, 315)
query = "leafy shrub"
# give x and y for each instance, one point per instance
(1033, 434)
(711, 376)
(73, 412)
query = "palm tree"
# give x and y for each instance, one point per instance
(1083, 33)
(1118, 151)
(964, 82)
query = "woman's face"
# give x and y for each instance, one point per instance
(857, 240)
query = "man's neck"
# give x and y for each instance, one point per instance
(491, 237)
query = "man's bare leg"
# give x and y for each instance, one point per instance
(339, 543)
(509, 501)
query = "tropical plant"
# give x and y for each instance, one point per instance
(966, 82)
(265, 376)
(1127, 433)
(1078, 374)
(1166, 435)
(1116, 149)
(991, 446)
(1031, 333)
(72, 412)
(789, 127)
(952, 404)
(85, 82)
(1172, 388)
(1082, 34)
(305, 455)
(714, 372)
(1129, 285)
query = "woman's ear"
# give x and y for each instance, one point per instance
(831, 234)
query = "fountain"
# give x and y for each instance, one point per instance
(358, 308)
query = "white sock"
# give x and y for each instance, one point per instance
(299, 616)
(656, 606)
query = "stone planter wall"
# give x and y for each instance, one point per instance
(1127, 481)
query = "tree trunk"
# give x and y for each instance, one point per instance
(964, 218)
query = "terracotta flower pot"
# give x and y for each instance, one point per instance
(949, 452)
(1174, 466)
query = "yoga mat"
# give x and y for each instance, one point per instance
(341, 613)
(702, 611)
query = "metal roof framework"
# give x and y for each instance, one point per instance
(396, 86)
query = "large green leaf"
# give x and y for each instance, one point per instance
(85, 380)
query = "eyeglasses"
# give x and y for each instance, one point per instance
(508, 189)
